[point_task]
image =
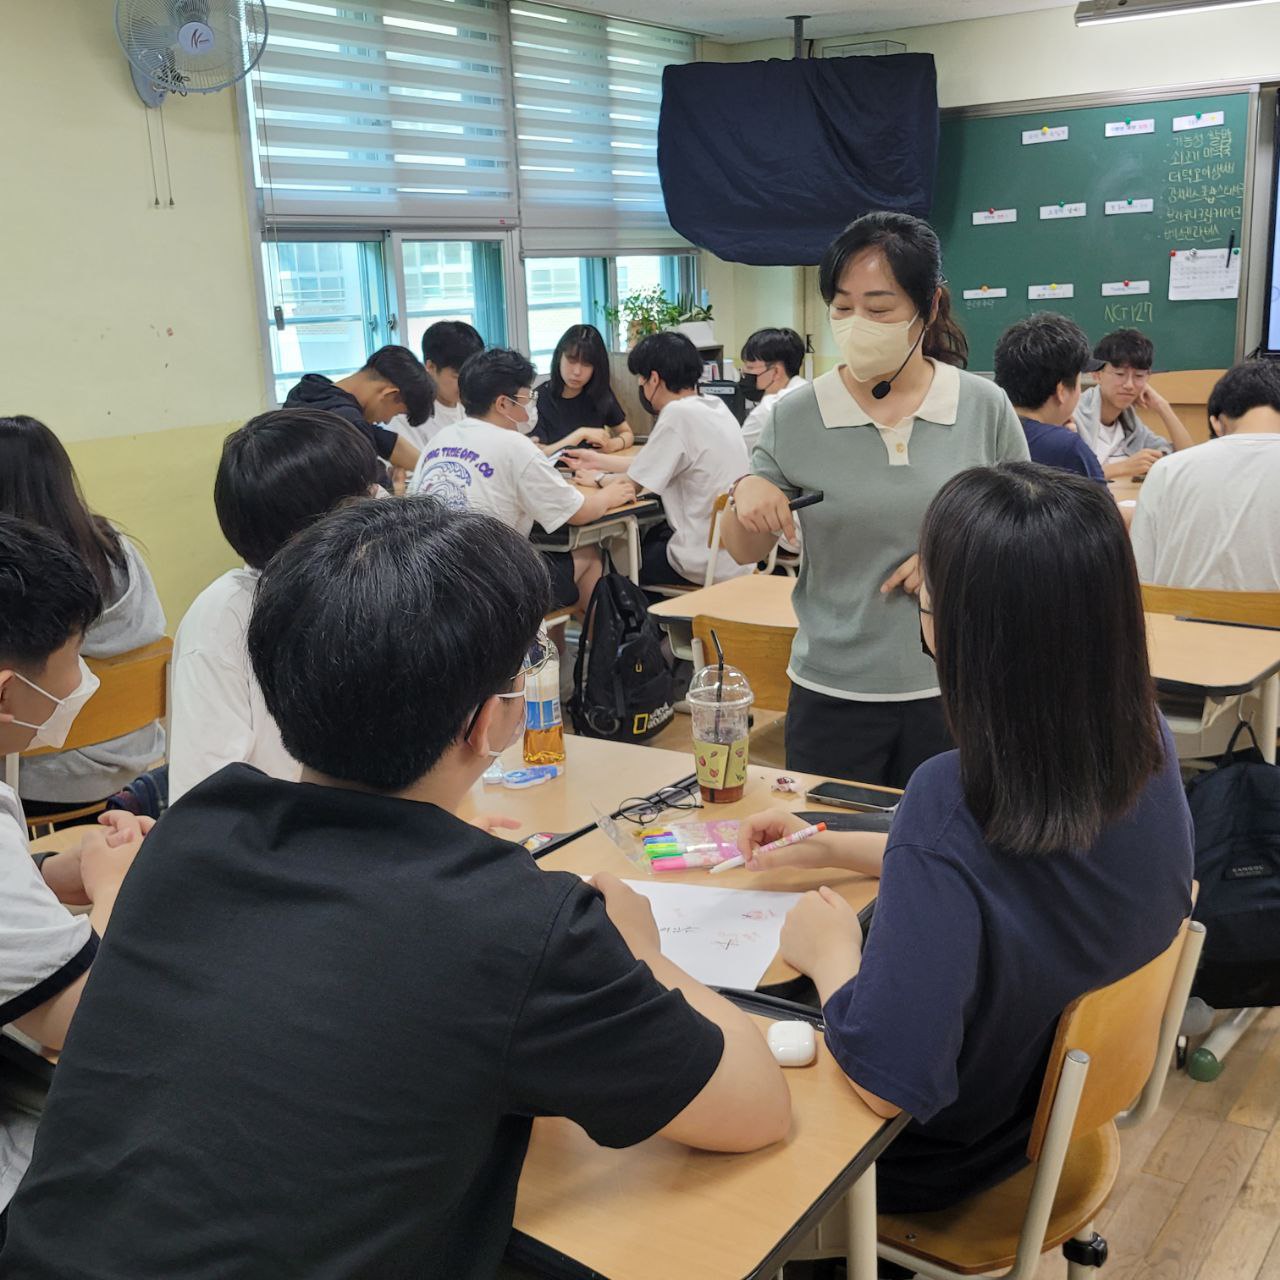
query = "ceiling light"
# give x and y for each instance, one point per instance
(1094, 12)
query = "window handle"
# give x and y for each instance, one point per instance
(392, 322)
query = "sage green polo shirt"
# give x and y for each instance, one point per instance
(878, 480)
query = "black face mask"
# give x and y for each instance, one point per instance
(924, 644)
(646, 404)
(750, 385)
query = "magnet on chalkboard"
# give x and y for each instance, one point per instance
(1126, 284)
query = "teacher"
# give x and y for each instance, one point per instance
(879, 435)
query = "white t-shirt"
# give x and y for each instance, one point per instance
(217, 715)
(40, 942)
(442, 416)
(1209, 517)
(754, 422)
(694, 453)
(1108, 444)
(476, 465)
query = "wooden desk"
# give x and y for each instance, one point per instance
(622, 522)
(762, 599)
(1126, 490)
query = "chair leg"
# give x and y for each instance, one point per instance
(860, 1206)
(1205, 1063)
(1085, 1252)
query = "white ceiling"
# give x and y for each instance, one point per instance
(738, 20)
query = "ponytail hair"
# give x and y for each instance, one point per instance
(915, 257)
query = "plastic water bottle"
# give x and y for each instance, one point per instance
(543, 729)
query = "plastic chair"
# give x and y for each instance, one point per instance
(133, 694)
(1107, 1068)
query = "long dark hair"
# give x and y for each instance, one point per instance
(584, 342)
(39, 484)
(915, 258)
(1042, 653)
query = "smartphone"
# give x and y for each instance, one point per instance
(846, 795)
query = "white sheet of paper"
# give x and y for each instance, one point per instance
(1063, 210)
(1121, 288)
(1131, 206)
(1203, 273)
(1126, 128)
(976, 295)
(1204, 120)
(723, 937)
(1046, 133)
(1037, 292)
(990, 217)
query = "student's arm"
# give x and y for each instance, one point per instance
(858, 851)
(209, 719)
(599, 502)
(1179, 436)
(404, 454)
(597, 460)
(623, 437)
(1137, 464)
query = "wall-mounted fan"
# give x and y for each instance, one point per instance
(189, 46)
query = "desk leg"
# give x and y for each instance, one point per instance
(860, 1206)
(1267, 718)
(633, 549)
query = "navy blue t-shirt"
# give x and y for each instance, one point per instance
(1060, 447)
(971, 958)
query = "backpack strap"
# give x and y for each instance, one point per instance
(1229, 755)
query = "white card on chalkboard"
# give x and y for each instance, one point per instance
(986, 291)
(1196, 274)
(1062, 210)
(1046, 133)
(1127, 128)
(1130, 205)
(1038, 292)
(990, 217)
(1119, 288)
(1201, 120)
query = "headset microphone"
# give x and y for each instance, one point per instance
(883, 387)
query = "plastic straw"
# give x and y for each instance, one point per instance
(715, 640)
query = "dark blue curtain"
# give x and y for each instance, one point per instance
(764, 162)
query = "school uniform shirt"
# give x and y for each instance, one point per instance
(217, 715)
(853, 642)
(1209, 517)
(443, 415)
(43, 950)
(475, 465)
(753, 423)
(693, 454)
(973, 955)
(1125, 437)
(1054, 446)
(315, 391)
(559, 416)
(133, 617)
(317, 1035)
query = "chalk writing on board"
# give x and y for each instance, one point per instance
(1204, 201)
(1129, 313)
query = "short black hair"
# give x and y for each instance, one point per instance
(1055, 740)
(770, 345)
(586, 343)
(671, 356)
(48, 595)
(494, 372)
(449, 343)
(284, 469)
(1037, 353)
(1249, 385)
(448, 602)
(1126, 348)
(398, 365)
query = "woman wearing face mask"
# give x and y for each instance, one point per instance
(576, 405)
(38, 484)
(879, 435)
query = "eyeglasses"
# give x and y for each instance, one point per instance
(644, 809)
(538, 656)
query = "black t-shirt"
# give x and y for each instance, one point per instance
(313, 1040)
(315, 391)
(558, 416)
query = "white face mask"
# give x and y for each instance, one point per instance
(53, 732)
(869, 348)
(526, 427)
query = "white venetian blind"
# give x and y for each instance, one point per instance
(395, 108)
(587, 92)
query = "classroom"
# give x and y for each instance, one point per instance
(640, 639)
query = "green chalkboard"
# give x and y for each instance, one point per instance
(1195, 179)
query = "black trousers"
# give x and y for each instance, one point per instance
(655, 568)
(875, 742)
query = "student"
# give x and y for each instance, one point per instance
(446, 347)
(1106, 417)
(1209, 517)
(1049, 855)
(39, 484)
(350, 1004)
(694, 454)
(576, 405)
(485, 463)
(278, 473)
(392, 383)
(771, 360)
(1038, 363)
(48, 601)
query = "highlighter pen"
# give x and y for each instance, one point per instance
(804, 833)
(685, 862)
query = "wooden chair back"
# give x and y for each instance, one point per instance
(1254, 608)
(133, 694)
(1118, 1026)
(761, 653)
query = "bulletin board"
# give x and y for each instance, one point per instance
(1093, 212)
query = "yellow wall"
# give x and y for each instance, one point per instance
(133, 332)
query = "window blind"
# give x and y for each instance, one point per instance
(587, 89)
(384, 108)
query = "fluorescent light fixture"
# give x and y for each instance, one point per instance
(1094, 12)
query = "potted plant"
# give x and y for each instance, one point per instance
(695, 322)
(641, 313)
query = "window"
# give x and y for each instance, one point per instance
(454, 280)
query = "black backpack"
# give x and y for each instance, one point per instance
(1236, 810)
(623, 688)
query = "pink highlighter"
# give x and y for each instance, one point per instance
(690, 860)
